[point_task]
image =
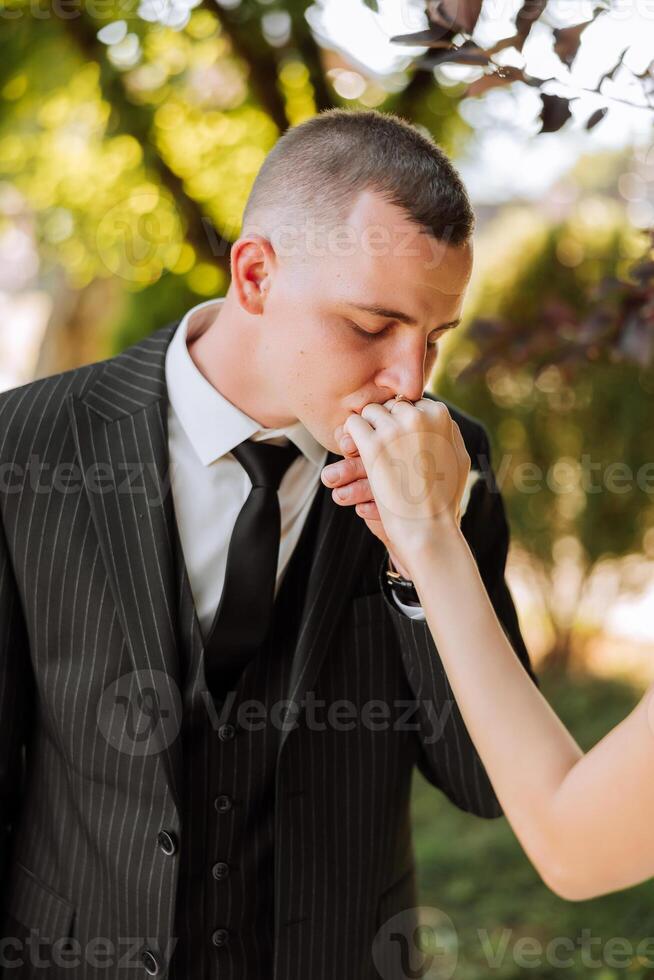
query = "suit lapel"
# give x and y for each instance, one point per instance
(120, 429)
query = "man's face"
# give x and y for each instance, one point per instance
(330, 357)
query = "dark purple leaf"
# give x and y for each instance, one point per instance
(505, 42)
(533, 80)
(426, 39)
(611, 72)
(503, 76)
(567, 40)
(596, 117)
(455, 15)
(466, 54)
(526, 17)
(555, 112)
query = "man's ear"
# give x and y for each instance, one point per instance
(253, 260)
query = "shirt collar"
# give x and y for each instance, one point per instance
(213, 424)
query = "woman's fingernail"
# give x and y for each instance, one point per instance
(347, 443)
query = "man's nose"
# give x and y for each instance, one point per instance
(405, 372)
(406, 379)
(411, 388)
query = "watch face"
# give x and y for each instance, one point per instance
(404, 590)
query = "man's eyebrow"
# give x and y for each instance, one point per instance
(402, 317)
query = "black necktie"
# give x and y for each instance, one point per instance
(244, 612)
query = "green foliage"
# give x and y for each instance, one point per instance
(150, 309)
(474, 870)
(572, 443)
(113, 163)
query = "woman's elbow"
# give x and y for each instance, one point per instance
(562, 867)
(565, 879)
(573, 884)
(569, 890)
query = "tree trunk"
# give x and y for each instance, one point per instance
(78, 331)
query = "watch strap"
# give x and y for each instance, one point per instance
(403, 587)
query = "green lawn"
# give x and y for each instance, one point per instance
(475, 871)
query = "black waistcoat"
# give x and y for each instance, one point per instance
(224, 916)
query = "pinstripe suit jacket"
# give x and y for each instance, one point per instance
(87, 595)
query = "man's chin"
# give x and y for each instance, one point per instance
(327, 441)
(330, 444)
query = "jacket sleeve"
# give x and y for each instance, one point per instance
(16, 704)
(447, 757)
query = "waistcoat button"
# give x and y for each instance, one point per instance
(220, 937)
(150, 961)
(223, 804)
(220, 870)
(167, 842)
(226, 732)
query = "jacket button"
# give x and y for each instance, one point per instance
(220, 937)
(167, 842)
(220, 870)
(223, 804)
(226, 732)
(150, 961)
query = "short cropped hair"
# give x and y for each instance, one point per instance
(318, 169)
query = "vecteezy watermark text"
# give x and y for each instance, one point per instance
(140, 712)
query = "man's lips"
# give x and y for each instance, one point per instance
(338, 431)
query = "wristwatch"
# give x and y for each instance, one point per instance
(403, 587)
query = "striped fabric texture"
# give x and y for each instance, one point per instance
(101, 669)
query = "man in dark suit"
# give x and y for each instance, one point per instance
(172, 562)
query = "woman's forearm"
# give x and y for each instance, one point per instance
(584, 820)
(525, 748)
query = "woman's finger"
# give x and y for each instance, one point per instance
(357, 492)
(347, 445)
(369, 510)
(378, 416)
(360, 431)
(343, 471)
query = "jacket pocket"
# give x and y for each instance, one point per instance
(35, 905)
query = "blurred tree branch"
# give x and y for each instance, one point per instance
(243, 29)
(242, 24)
(137, 121)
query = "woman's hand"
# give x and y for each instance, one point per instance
(417, 467)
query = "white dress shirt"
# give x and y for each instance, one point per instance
(208, 483)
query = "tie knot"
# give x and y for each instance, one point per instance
(264, 462)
